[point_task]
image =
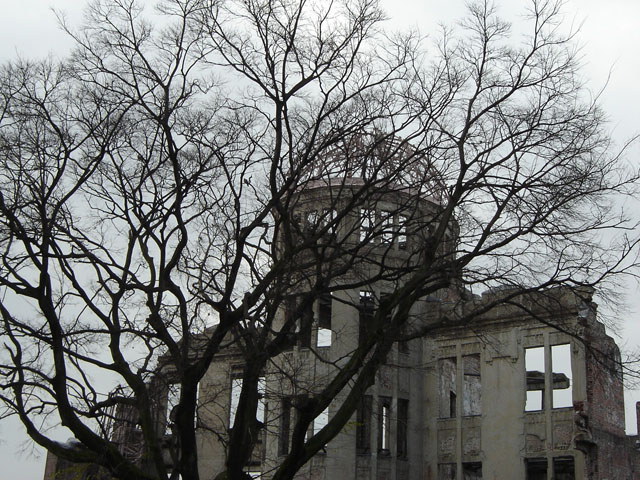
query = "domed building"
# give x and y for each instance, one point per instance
(521, 394)
(530, 389)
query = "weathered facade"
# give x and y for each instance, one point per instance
(514, 397)
(532, 391)
(527, 390)
(527, 395)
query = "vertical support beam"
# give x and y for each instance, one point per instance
(548, 404)
(459, 405)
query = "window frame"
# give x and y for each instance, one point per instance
(384, 425)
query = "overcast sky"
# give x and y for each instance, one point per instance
(610, 34)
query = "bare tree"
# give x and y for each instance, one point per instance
(196, 176)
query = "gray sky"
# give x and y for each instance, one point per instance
(610, 34)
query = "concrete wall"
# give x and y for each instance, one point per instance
(504, 429)
(486, 371)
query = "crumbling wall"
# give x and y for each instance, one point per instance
(604, 411)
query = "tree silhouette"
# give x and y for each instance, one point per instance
(194, 178)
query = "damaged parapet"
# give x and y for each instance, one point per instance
(547, 393)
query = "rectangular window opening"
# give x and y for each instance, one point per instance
(197, 417)
(403, 345)
(386, 222)
(384, 425)
(236, 389)
(563, 468)
(561, 376)
(367, 219)
(472, 471)
(311, 220)
(447, 368)
(366, 312)
(321, 421)
(302, 316)
(262, 388)
(305, 322)
(536, 468)
(389, 316)
(402, 232)
(472, 385)
(538, 376)
(452, 404)
(447, 471)
(328, 221)
(403, 428)
(384, 297)
(324, 320)
(535, 368)
(285, 426)
(173, 399)
(363, 426)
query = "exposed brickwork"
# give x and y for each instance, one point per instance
(604, 415)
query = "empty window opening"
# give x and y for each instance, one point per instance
(472, 471)
(386, 222)
(367, 219)
(236, 389)
(403, 345)
(562, 380)
(285, 426)
(534, 364)
(311, 220)
(302, 316)
(262, 387)
(384, 424)
(389, 315)
(321, 223)
(324, 320)
(365, 314)
(303, 327)
(403, 427)
(173, 399)
(447, 471)
(472, 386)
(321, 421)
(536, 468)
(363, 426)
(402, 232)
(195, 419)
(559, 377)
(383, 298)
(563, 468)
(452, 405)
(447, 368)
(324, 337)
(290, 314)
(327, 220)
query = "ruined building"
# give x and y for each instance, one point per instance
(532, 390)
(529, 392)
(513, 399)
(518, 398)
